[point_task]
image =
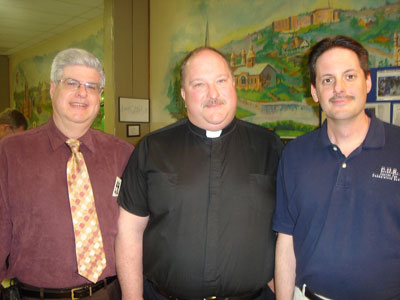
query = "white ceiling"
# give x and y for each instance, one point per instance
(25, 23)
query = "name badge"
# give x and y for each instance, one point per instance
(117, 186)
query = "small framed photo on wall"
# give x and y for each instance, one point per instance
(132, 130)
(388, 84)
(134, 110)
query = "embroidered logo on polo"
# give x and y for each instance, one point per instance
(387, 173)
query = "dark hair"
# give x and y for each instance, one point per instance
(194, 53)
(339, 41)
(13, 118)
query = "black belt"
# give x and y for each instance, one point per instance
(73, 293)
(248, 297)
(311, 295)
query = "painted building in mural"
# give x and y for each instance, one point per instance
(296, 45)
(250, 75)
(318, 16)
(396, 50)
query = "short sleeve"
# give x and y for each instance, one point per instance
(133, 193)
(282, 220)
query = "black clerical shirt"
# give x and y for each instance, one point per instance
(210, 202)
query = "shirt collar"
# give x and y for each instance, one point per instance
(202, 132)
(375, 137)
(58, 139)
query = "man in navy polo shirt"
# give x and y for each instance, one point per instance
(338, 196)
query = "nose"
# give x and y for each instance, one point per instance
(82, 90)
(339, 86)
(213, 91)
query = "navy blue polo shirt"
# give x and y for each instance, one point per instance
(343, 213)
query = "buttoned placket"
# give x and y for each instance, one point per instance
(342, 175)
(210, 268)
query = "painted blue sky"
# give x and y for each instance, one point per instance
(233, 19)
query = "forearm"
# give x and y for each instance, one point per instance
(285, 268)
(129, 254)
(129, 269)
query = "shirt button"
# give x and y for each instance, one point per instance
(344, 165)
(334, 148)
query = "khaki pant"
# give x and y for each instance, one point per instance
(298, 295)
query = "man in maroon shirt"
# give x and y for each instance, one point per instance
(36, 229)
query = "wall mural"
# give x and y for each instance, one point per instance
(266, 43)
(31, 82)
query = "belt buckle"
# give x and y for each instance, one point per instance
(80, 288)
(72, 293)
(210, 298)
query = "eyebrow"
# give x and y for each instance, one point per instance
(201, 79)
(346, 71)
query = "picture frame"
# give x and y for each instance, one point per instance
(396, 114)
(381, 110)
(388, 84)
(132, 130)
(134, 110)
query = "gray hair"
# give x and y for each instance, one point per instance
(75, 56)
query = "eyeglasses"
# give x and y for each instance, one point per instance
(73, 84)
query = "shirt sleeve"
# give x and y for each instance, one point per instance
(282, 220)
(5, 221)
(133, 194)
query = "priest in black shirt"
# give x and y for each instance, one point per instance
(197, 198)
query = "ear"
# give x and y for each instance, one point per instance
(314, 93)
(52, 88)
(183, 94)
(369, 83)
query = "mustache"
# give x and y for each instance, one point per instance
(336, 97)
(213, 102)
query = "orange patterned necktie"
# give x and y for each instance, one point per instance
(90, 254)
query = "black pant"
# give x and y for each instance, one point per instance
(151, 293)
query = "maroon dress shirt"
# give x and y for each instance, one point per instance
(35, 218)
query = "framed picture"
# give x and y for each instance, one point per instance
(132, 130)
(388, 84)
(396, 114)
(134, 110)
(380, 109)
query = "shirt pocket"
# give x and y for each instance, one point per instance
(162, 189)
(262, 193)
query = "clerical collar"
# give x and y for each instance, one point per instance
(213, 134)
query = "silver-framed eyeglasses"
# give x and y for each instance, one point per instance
(73, 84)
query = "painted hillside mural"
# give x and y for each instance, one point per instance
(269, 64)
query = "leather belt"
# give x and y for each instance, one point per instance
(248, 297)
(73, 293)
(311, 295)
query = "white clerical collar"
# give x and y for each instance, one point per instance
(213, 134)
